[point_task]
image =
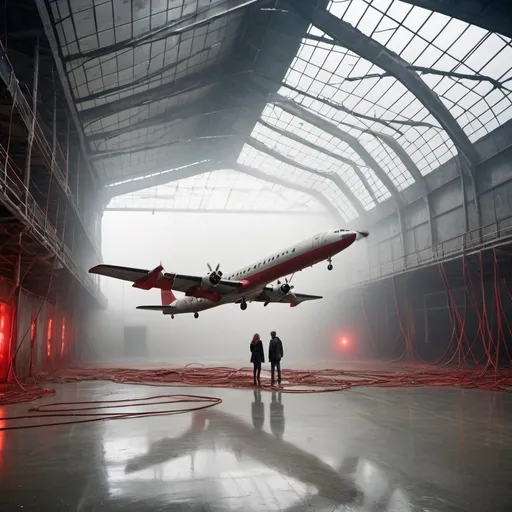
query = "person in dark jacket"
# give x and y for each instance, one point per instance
(275, 354)
(257, 357)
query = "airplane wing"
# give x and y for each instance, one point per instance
(156, 278)
(294, 299)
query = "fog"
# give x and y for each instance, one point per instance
(185, 243)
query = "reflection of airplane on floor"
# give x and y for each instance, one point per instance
(356, 484)
(248, 284)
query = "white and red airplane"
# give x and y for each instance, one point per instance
(249, 284)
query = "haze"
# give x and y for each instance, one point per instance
(185, 243)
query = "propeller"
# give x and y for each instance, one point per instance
(286, 287)
(215, 276)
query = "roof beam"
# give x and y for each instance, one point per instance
(320, 149)
(171, 115)
(158, 178)
(187, 83)
(210, 211)
(354, 40)
(256, 173)
(102, 155)
(495, 16)
(208, 166)
(295, 109)
(202, 16)
(335, 178)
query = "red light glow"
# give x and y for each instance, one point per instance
(63, 337)
(343, 343)
(33, 331)
(49, 338)
(5, 339)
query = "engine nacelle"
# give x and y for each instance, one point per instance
(211, 280)
(281, 289)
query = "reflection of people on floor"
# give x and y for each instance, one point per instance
(277, 415)
(258, 411)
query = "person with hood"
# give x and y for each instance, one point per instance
(275, 354)
(257, 357)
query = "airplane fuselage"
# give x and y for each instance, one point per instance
(256, 276)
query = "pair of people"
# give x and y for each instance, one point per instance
(275, 354)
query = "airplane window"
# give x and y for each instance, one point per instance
(293, 250)
(277, 256)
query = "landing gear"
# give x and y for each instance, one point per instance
(172, 317)
(243, 305)
(329, 267)
(196, 315)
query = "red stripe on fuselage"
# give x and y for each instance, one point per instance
(284, 268)
(295, 264)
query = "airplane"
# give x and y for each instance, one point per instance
(248, 284)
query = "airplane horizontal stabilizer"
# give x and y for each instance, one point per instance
(155, 308)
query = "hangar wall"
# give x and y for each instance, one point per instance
(40, 337)
(453, 214)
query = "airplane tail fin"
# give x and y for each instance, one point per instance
(167, 297)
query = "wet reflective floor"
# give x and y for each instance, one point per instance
(431, 450)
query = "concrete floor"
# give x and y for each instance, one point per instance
(430, 450)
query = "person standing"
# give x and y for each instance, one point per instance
(257, 357)
(275, 354)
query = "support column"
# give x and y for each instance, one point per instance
(54, 134)
(35, 86)
(67, 152)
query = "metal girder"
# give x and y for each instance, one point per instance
(371, 50)
(209, 166)
(331, 176)
(212, 210)
(204, 78)
(64, 80)
(495, 16)
(173, 114)
(293, 108)
(256, 173)
(404, 157)
(203, 16)
(159, 178)
(320, 149)
(101, 155)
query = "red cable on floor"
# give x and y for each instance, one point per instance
(295, 381)
(73, 409)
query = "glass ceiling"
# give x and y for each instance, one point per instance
(220, 190)
(350, 92)
(114, 50)
(129, 48)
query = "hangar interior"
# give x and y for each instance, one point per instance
(392, 116)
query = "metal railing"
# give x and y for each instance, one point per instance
(55, 162)
(477, 239)
(14, 195)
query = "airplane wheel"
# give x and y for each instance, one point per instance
(329, 267)
(243, 306)
(172, 317)
(196, 315)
